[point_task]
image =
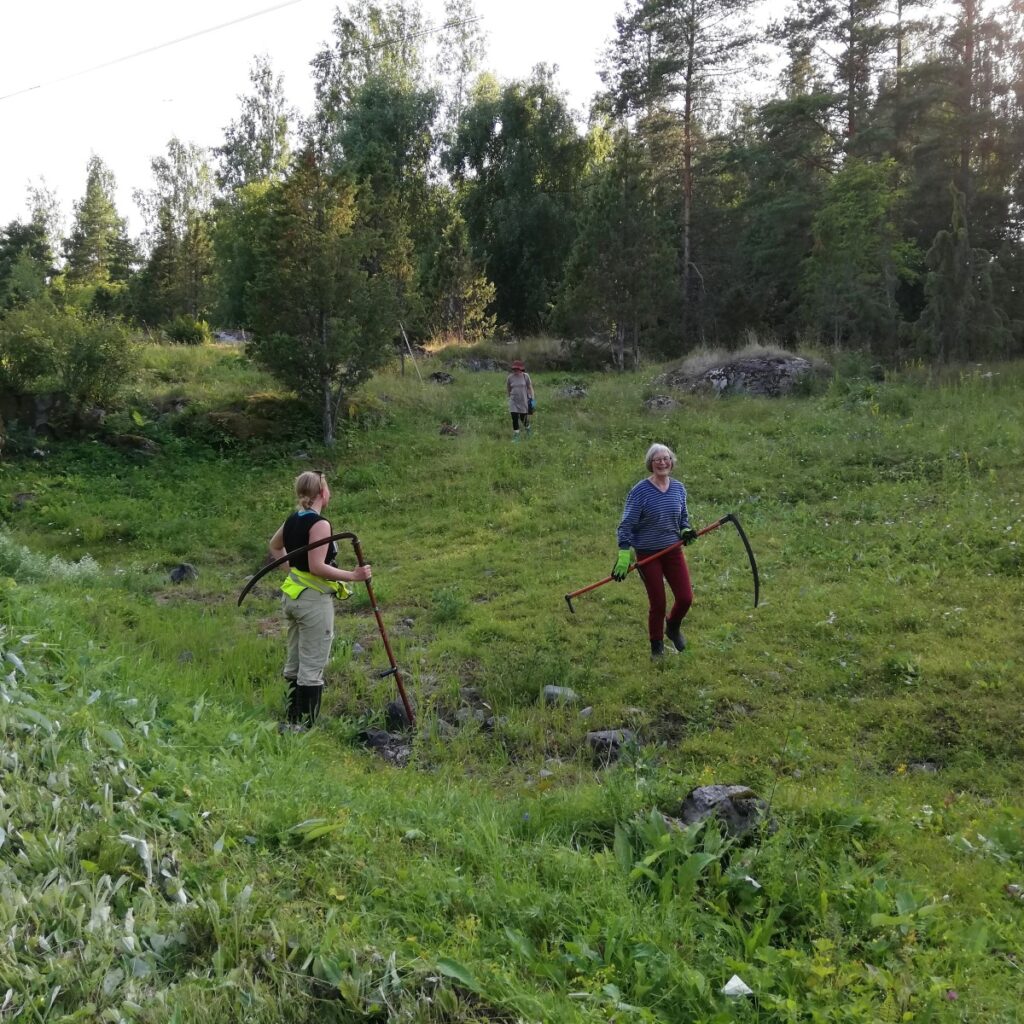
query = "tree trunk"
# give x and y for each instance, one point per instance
(328, 413)
(967, 98)
(620, 339)
(688, 167)
(851, 80)
(325, 390)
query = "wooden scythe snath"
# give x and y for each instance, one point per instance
(394, 670)
(727, 518)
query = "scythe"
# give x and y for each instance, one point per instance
(394, 670)
(727, 518)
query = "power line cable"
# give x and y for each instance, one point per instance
(151, 49)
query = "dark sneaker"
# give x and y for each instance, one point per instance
(675, 635)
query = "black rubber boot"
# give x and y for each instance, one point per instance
(293, 712)
(310, 704)
(657, 649)
(675, 635)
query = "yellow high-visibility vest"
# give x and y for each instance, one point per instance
(297, 581)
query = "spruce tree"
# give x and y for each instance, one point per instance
(98, 250)
(961, 321)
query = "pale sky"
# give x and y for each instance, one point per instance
(126, 113)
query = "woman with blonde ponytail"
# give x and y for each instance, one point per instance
(308, 595)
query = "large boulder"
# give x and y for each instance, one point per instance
(243, 426)
(769, 375)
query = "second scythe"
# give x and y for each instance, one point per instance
(727, 518)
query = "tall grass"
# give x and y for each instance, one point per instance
(167, 855)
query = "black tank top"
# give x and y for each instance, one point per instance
(296, 535)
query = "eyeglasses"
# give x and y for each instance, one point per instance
(662, 458)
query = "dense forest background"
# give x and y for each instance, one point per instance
(870, 196)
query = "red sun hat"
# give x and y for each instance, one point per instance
(517, 364)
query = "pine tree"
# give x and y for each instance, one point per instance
(662, 69)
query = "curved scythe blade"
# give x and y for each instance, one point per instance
(280, 561)
(729, 517)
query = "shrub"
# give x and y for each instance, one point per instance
(188, 330)
(86, 358)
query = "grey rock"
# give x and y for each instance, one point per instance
(923, 768)
(555, 695)
(464, 715)
(133, 443)
(586, 712)
(186, 657)
(472, 696)
(494, 722)
(606, 744)
(395, 717)
(19, 501)
(92, 417)
(573, 391)
(184, 573)
(739, 808)
(357, 648)
(544, 773)
(395, 750)
(444, 730)
(440, 377)
(661, 403)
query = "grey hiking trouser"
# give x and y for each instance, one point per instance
(310, 618)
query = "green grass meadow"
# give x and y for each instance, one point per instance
(167, 856)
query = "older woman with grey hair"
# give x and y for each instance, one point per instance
(656, 517)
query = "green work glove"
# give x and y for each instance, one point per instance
(622, 564)
(688, 536)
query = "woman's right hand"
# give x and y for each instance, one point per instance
(362, 573)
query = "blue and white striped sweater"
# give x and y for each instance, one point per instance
(653, 520)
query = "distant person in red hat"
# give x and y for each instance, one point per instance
(519, 389)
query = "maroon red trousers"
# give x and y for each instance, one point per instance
(670, 568)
